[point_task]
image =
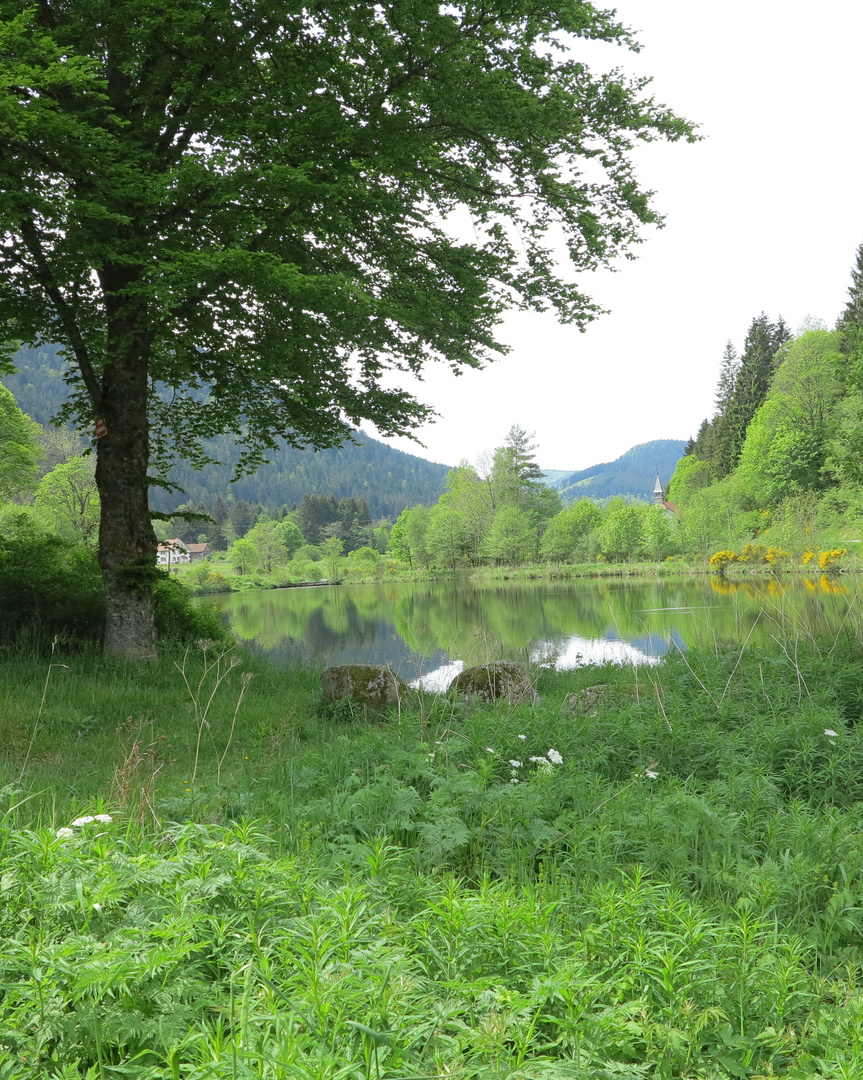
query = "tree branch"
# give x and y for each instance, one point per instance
(46, 279)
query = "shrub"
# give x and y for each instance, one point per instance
(721, 560)
(48, 587)
(178, 619)
(827, 560)
(775, 556)
(304, 569)
(51, 589)
(753, 553)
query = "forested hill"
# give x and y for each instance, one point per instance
(38, 388)
(388, 479)
(633, 473)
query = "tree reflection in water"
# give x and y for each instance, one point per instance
(419, 628)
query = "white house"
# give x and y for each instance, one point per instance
(172, 552)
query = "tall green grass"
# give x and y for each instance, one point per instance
(676, 891)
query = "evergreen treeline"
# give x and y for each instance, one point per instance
(780, 463)
(317, 518)
(386, 478)
(742, 390)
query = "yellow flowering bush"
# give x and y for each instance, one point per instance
(775, 556)
(721, 560)
(753, 553)
(827, 559)
(808, 556)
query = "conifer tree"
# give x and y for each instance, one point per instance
(721, 448)
(727, 378)
(852, 316)
(751, 383)
(516, 477)
(219, 513)
(523, 460)
(702, 444)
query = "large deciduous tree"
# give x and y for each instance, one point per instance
(263, 207)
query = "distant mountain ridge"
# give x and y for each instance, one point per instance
(388, 479)
(633, 474)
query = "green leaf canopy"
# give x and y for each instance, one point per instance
(267, 196)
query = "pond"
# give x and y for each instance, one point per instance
(428, 630)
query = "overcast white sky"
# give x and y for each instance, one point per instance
(764, 215)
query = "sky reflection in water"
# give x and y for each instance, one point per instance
(575, 652)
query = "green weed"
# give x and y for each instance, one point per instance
(669, 885)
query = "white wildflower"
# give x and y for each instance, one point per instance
(489, 749)
(514, 780)
(537, 759)
(82, 821)
(106, 819)
(65, 834)
(830, 733)
(515, 764)
(650, 774)
(522, 736)
(554, 756)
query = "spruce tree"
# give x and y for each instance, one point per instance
(852, 316)
(741, 390)
(718, 449)
(752, 381)
(727, 378)
(516, 477)
(703, 442)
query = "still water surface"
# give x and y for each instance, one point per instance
(428, 630)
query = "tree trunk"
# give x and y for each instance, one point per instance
(127, 542)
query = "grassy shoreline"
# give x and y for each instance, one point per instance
(291, 890)
(227, 582)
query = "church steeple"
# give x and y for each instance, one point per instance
(657, 490)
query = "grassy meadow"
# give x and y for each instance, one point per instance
(662, 879)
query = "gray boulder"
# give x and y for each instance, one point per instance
(585, 702)
(375, 686)
(498, 679)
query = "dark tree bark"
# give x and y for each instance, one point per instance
(127, 542)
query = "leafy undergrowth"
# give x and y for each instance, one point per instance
(663, 880)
